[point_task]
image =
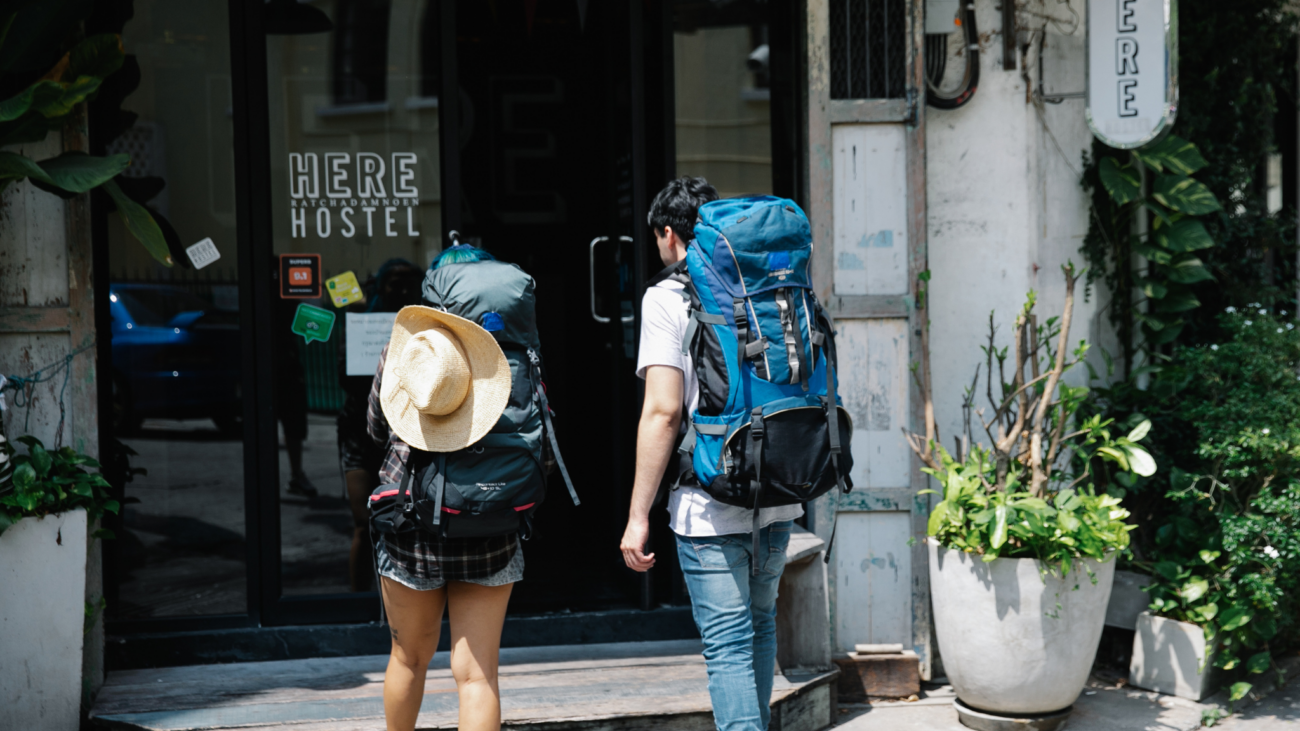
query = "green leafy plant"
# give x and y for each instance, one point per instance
(1226, 555)
(1032, 492)
(41, 87)
(1153, 181)
(44, 482)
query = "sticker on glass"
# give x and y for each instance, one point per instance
(344, 290)
(313, 323)
(203, 253)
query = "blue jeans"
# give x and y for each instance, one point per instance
(736, 615)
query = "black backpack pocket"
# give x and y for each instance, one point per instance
(488, 489)
(795, 454)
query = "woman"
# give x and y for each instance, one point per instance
(421, 574)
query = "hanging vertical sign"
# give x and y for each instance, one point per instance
(1132, 70)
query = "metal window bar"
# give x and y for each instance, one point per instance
(868, 49)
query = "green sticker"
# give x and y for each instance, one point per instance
(313, 323)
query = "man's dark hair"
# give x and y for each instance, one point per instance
(677, 203)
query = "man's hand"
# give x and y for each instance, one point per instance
(633, 545)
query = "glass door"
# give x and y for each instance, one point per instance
(391, 123)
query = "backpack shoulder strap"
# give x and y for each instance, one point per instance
(539, 395)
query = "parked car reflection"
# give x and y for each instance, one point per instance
(175, 356)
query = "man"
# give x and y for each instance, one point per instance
(734, 607)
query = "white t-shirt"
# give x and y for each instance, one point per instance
(664, 317)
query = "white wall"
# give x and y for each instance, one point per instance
(1006, 209)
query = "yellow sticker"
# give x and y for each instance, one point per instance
(344, 290)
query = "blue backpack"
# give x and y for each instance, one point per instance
(769, 429)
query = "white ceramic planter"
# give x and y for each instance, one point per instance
(42, 610)
(1168, 658)
(1127, 600)
(1012, 640)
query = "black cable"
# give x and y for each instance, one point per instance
(936, 63)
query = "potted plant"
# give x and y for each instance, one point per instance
(1022, 541)
(48, 500)
(1225, 552)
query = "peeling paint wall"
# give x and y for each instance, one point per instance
(34, 274)
(1005, 206)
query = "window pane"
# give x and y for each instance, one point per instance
(354, 140)
(175, 331)
(723, 97)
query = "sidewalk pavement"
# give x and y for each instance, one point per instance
(1106, 705)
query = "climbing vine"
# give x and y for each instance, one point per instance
(1237, 68)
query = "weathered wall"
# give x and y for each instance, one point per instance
(1005, 206)
(47, 314)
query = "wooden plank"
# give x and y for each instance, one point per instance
(873, 570)
(873, 357)
(870, 209)
(877, 498)
(889, 676)
(917, 263)
(33, 253)
(35, 319)
(868, 111)
(870, 306)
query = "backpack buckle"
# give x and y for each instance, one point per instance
(756, 428)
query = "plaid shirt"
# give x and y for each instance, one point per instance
(418, 555)
(396, 451)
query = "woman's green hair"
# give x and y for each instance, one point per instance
(461, 254)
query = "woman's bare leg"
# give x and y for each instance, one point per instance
(414, 619)
(477, 615)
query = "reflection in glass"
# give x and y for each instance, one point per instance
(721, 63)
(354, 158)
(175, 350)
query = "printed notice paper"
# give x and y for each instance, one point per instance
(367, 334)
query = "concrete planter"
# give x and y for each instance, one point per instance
(42, 610)
(1127, 600)
(1170, 657)
(1012, 640)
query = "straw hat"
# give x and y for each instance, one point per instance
(446, 381)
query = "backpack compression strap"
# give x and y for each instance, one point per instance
(793, 338)
(539, 395)
(757, 432)
(400, 510)
(439, 486)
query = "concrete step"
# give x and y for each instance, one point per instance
(633, 685)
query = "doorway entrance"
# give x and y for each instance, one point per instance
(358, 134)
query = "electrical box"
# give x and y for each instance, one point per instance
(941, 16)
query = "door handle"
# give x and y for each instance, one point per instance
(591, 256)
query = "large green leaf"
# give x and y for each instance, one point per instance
(1174, 153)
(1194, 589)
(1184, 235)
(73, 94)
(1184, 194)
(1154, 253)
(37, 95)
(1234, 617)
(1121, 181)
(78, 172)
(34, 40)
(937, 517)
(1180, 301)
(139, 223)
(98, 55)
(1259, 662)
(1239, 691)
(999, 535)
(1140, 460)
(1188, 270)
(16, 167)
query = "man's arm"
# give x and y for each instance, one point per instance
(655, 438)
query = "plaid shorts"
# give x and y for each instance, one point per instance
(424, 563)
